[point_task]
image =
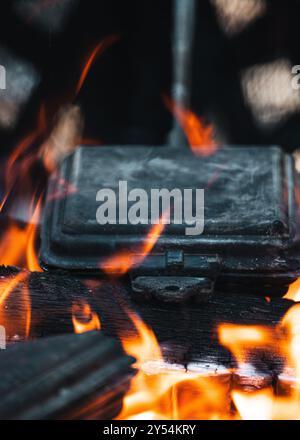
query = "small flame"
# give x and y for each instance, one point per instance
(83, 318)
(143, 346)
(121, 263)
(99, 49)
(240, 339)
(31, 230)
(27, 301)
(200, 136)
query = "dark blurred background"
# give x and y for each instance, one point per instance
(240, 68)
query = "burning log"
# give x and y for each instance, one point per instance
(71, 376)
(186, 333)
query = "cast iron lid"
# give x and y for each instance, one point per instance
(250, 223)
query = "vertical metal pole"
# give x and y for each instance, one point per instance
(183, 37)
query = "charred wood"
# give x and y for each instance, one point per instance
(187, 333)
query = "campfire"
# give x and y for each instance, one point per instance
(261, 383)
(140, 321)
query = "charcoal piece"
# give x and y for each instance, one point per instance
(71, 376)
(249, 243)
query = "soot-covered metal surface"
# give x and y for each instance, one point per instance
(249, 223)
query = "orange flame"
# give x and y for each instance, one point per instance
(31, 230)
(200, 137)
(143, 346)
(265, 404)
(83, 318)
(294, 291)
(18, 242)
(240, 339)
(121, 263)
(161, 391)
(99, 49)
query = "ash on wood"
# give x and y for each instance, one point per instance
(71, 376)
(187, 333)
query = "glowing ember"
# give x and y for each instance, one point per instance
(200, 137)
(84, 319)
